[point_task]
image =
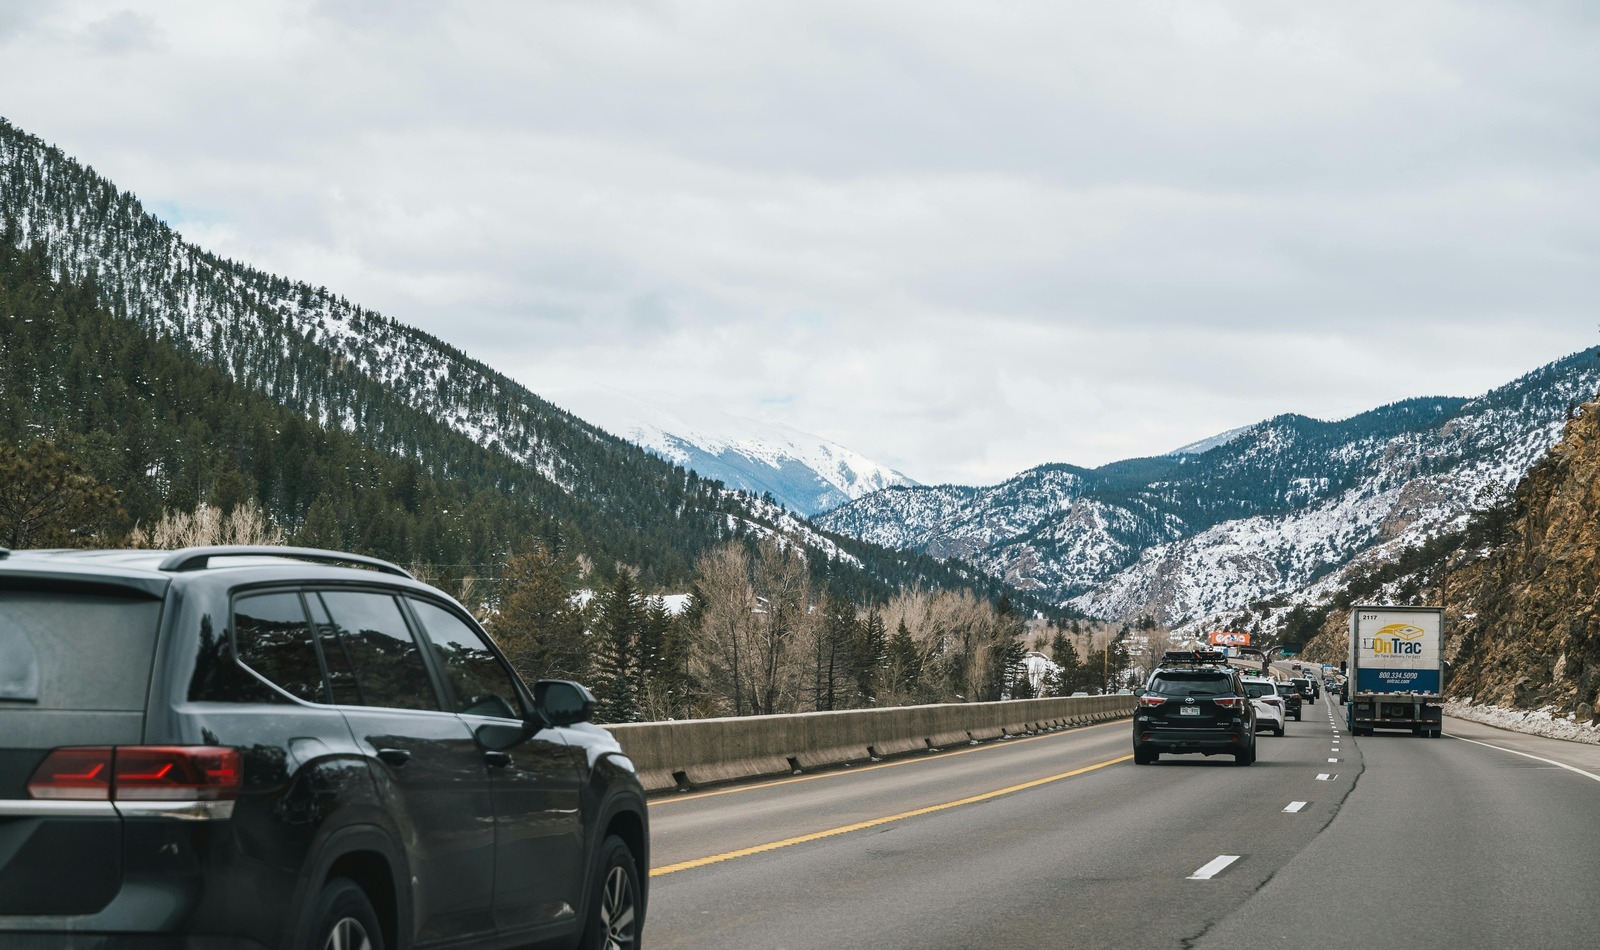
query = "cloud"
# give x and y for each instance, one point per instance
(959, 238)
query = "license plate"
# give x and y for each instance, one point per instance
(1188, 710)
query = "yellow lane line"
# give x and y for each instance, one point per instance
(875, 822)
(994, 744)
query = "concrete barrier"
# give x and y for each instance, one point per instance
(698, 751)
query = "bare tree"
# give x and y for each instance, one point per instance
(784, 626)
(208, 525)
(725, 607)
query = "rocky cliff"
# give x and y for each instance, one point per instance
(1529, 629)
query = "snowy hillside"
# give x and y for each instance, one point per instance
(1243, 516)
(803, 472)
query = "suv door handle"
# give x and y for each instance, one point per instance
(498, 760)
(395, 757)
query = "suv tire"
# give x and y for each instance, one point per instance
(1277, 730)
(614, 901)
(1145, 758)
(344, 919)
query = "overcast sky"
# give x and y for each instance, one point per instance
(960, 238)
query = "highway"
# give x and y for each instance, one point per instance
(1059, 840)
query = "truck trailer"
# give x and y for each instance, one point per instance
(1395, 678)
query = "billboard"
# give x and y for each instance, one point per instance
(1225, 638)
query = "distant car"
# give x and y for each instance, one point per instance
(1195, 703)
(1291, 699)
(1308, 689)
(1264, 697)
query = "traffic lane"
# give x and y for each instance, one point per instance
(1579, 755)
(1101, 859)
(1441, 844)
(690, 826)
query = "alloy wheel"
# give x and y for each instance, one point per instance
(617, 911)
(348, 934)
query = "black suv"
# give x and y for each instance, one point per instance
(1307, 688)
(1292, 701)
(1194, 702)
(253, 748)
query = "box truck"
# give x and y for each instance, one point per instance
(1395, 678)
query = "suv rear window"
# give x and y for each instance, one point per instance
(79, 651)
(1258, 690)
(273, 638)
(1197, 683)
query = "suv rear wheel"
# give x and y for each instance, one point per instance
(345, 919)
(614, 906)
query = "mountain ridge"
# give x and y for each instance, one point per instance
(1187, 536)
(343, 367)
(801, 471)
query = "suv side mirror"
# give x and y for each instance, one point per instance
(562, 702)
(1140, 691)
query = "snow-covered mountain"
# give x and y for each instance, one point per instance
(1243, 516)
(803, 472)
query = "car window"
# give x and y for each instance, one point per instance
(76, 651)
(272, 637)
(1179, 683)
(481, 685)
(372, 658)
(1258, 690)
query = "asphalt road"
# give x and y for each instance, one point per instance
(1060, 841)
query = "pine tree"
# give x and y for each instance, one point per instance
(47, 500)
(871, 656)
(618, 631)
(537, 624)
(905, 660)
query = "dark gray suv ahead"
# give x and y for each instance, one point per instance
(259, 747)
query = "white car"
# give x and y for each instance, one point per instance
(1268, 704)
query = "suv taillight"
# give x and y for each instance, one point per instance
(1151, 700)
(1229, 701)
(139, 774)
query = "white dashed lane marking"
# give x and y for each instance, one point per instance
(1295, 807)
(1213, 867)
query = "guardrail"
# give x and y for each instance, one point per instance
(697, 751)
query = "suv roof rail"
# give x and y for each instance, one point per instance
(198, 559)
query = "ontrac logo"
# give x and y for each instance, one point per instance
(1398, 639)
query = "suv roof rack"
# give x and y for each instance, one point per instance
(198, 559)
(1193, 658)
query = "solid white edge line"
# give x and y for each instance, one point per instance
(1213, 867)
(1536, 758)
(1295, 807)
